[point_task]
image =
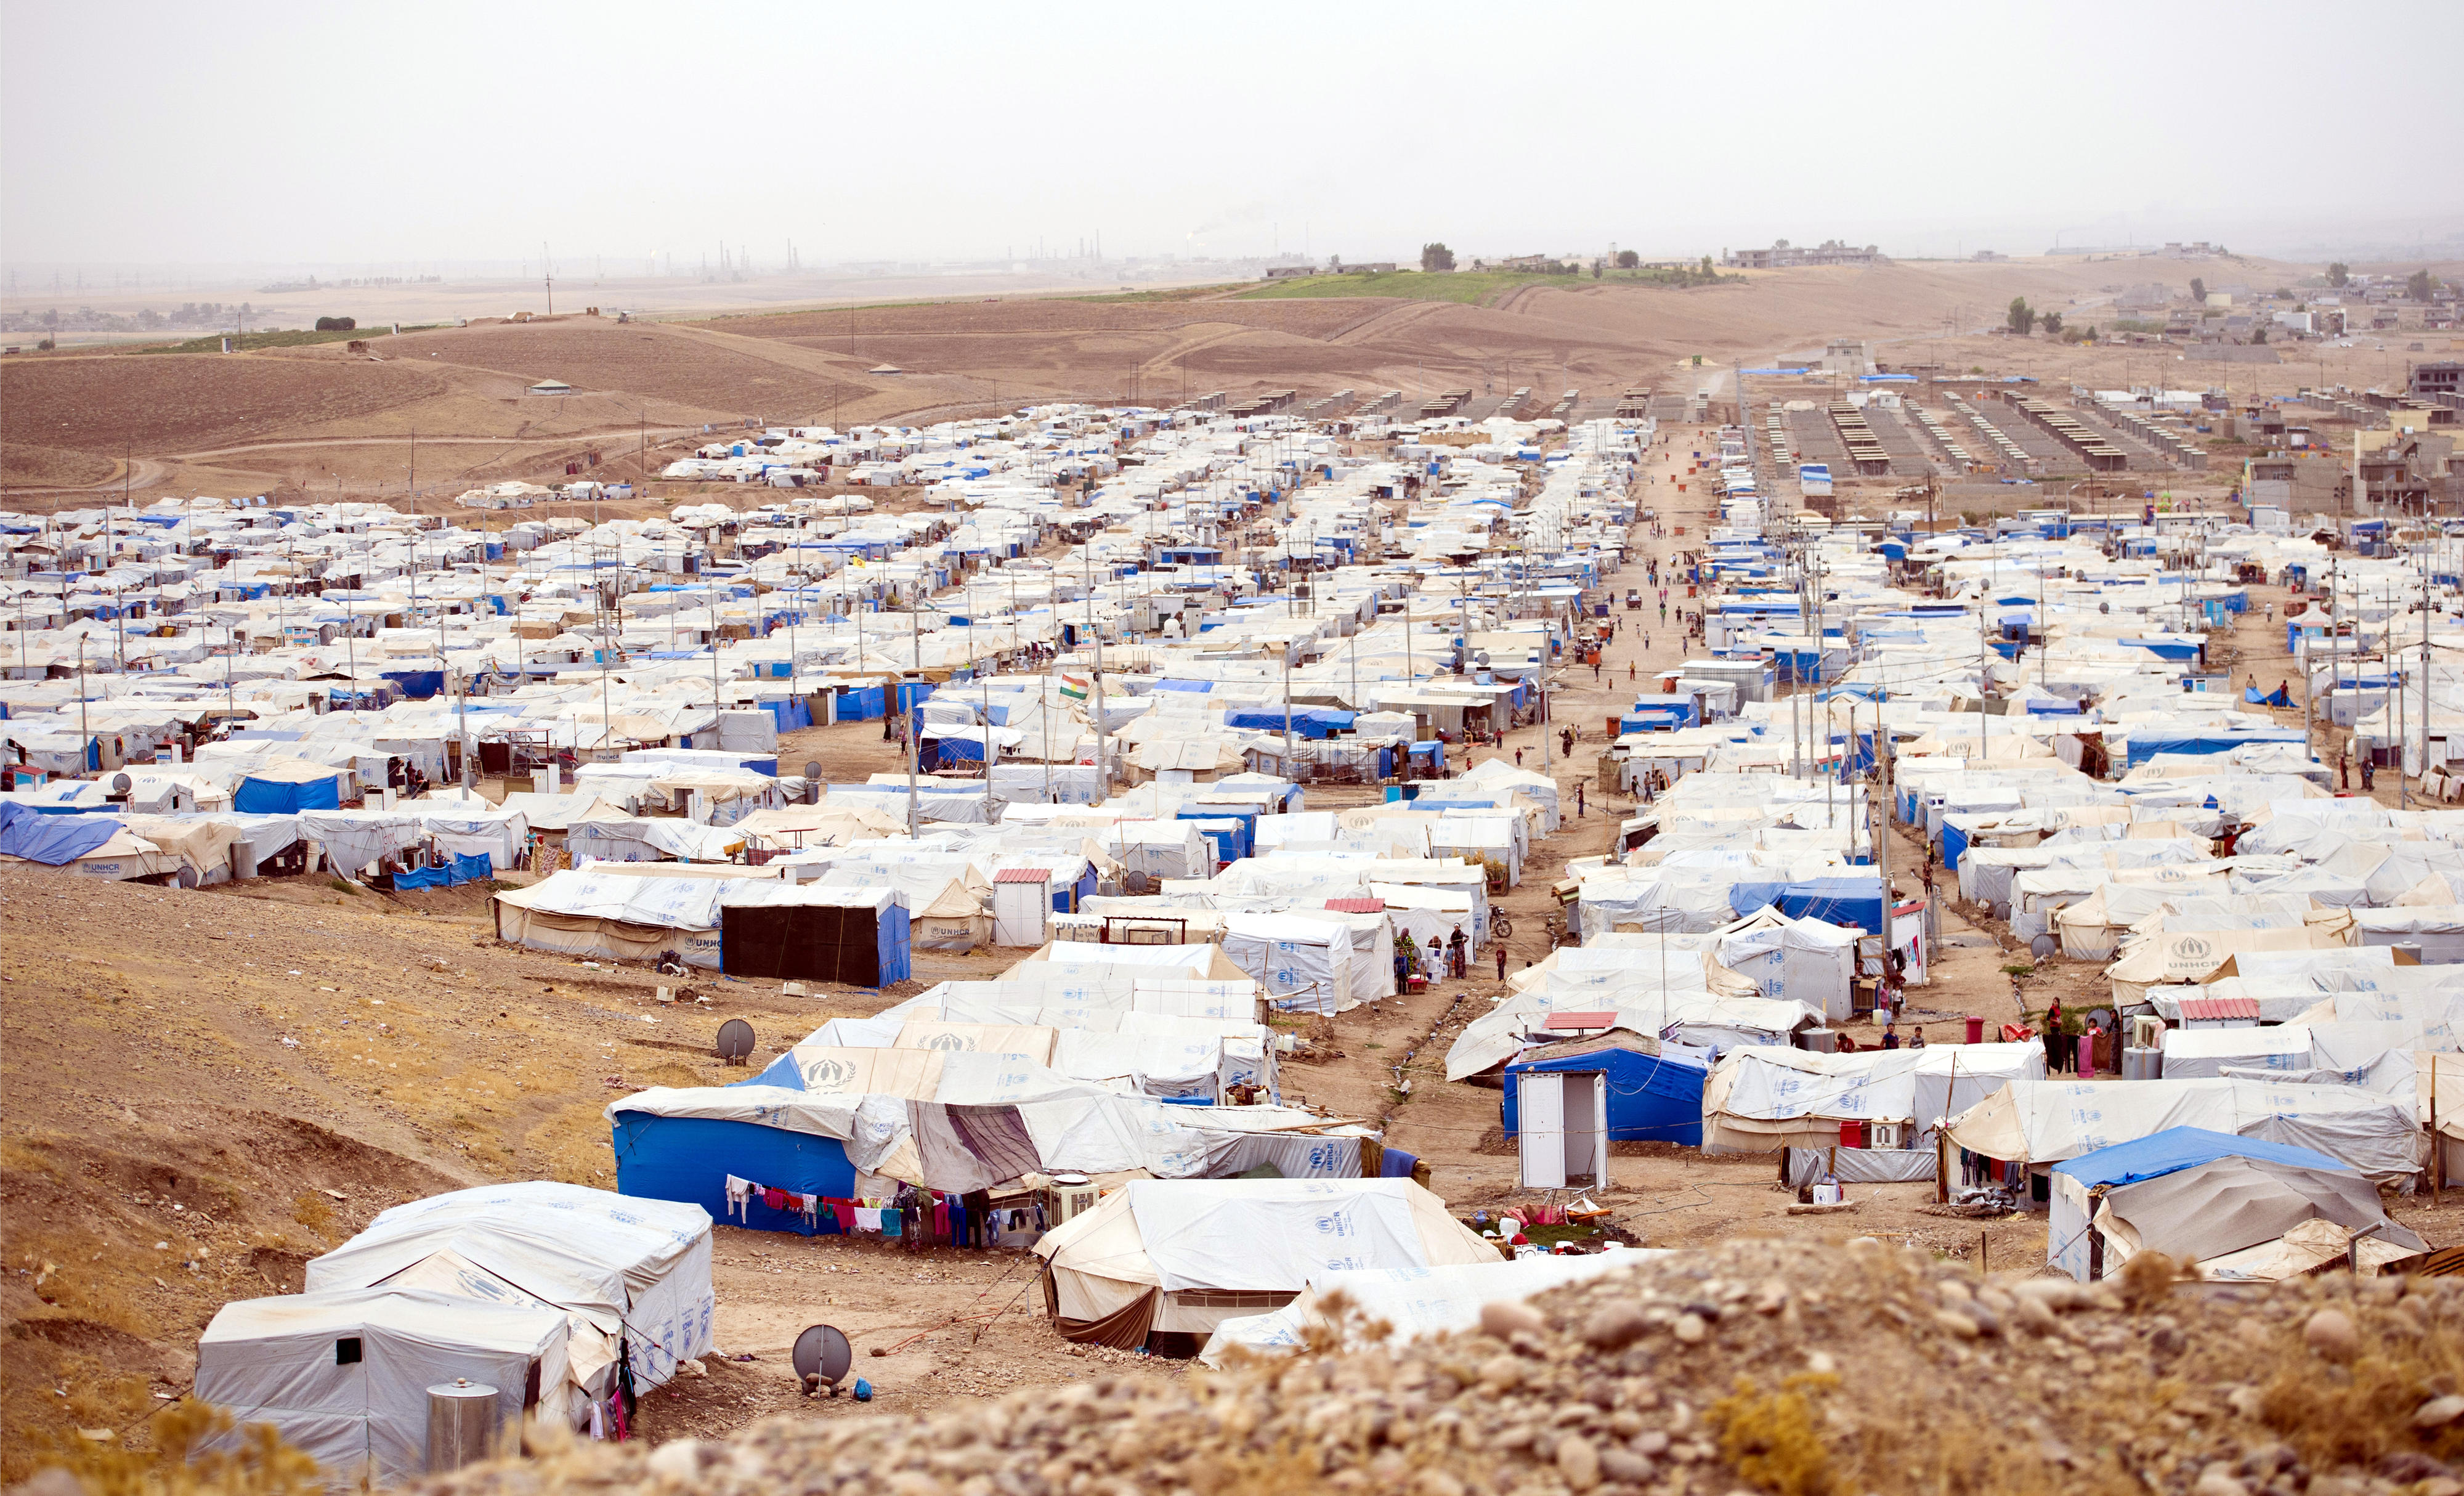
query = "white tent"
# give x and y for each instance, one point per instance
(343, 1375)
(1305, 965)
(1184, 1255)
(1415, 1301)
(1764, 1098)
(2042, 1122)
(1803, 960)
(625, 1269)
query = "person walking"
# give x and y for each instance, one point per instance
(1501, 960)
(1579, 800)
(1630, 665)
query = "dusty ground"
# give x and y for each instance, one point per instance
(320, 420)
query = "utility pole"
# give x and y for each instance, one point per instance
(550, 277)
(915, 718)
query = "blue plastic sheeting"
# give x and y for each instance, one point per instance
(2279, 697)
(1396, 1164)
(689, 1159)
(866, 703)
(1199, 686)
(1311, 722)
(50, 839)
(2054, 708)
(2145, 745)
(1227, 835)
(2179, 1148)
(272, 797)
(417, 685)
(471, 869)
(2176, 650)
(1650, 1099)
(1834, 901)
(1954, 846)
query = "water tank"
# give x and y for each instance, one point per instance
(2143, 1064)
(461, 1424)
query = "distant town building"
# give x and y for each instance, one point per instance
(1290, 272)
(1990, 256)
(2445, 376)
(1783, 254)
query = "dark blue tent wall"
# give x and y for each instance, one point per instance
(1649, 1100)
(272, 797)
(1834, 901)
(689, 1159)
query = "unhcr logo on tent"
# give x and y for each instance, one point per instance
(829, 1075)
(2193, 948)
(948, 1041)
(1336, 1225)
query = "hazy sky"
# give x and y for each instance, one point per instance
(408, 134)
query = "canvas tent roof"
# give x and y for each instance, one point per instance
(2047, 1121)
(1414, 1302)
(1170, 1235)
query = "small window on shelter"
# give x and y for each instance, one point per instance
(346, 1351)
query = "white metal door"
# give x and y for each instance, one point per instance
(1599, 1129)
(1542, 1135)
(1584, 1101)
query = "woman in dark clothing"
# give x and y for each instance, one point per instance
(2053, 1045)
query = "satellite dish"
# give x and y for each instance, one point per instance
(821, 1358)
(812, 768)
(121, 784)
(2043, 947)
(735, 1040)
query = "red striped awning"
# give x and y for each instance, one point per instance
(2211, 1009)
(1356, 905)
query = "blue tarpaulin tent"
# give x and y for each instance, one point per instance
(275, 797)
(1650, 1099)
(689, 1159)
(2145, 745)
(460, 869)
(1834, 901)
(2179, 1148)
(50, 839)
(1311, 722)
(417, 685)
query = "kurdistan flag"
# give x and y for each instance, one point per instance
(1075, 686)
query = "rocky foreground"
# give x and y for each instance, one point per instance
(1778, 1367)
(1762, 1366)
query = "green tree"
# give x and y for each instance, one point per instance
(1436, 256)
(2418, 285)
(1628, 260)
(2258, 336)
(2198, 290)
(1595, 269)
(2053, 323)
(2340, 274)
(2091, 333)
(2022, 318)
(1708, 272)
